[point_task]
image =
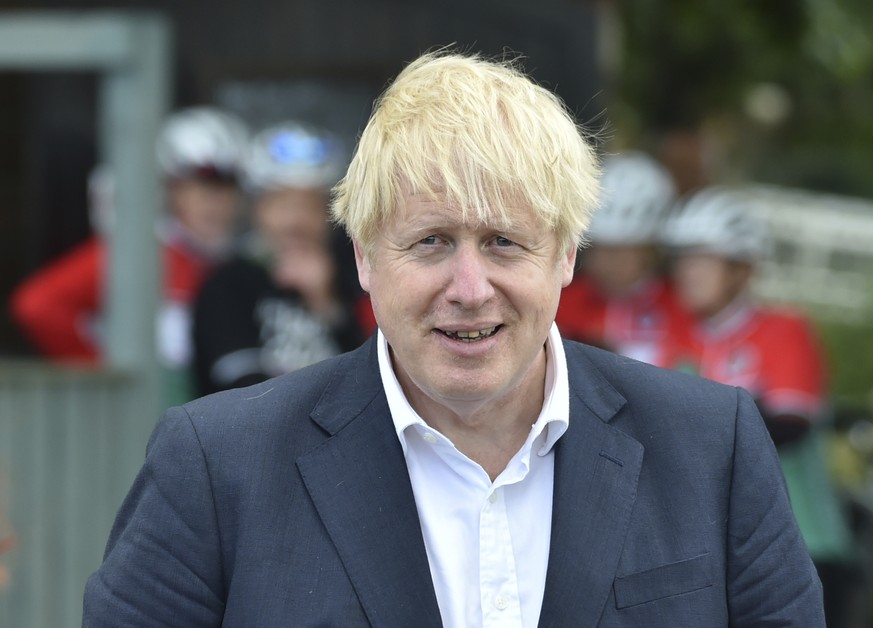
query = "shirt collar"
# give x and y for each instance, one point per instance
(553, 420)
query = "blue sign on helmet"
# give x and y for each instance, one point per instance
(289, 147)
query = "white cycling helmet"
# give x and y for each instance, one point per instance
(201, 142)
(721, 221)
(637, 192)
(292, 155)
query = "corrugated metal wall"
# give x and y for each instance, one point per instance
(71, 442)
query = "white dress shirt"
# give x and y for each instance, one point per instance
(487, 542)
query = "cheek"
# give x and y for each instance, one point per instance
(701, 286)
(688, 281)
(710, 292)
(392, 293)
(274, 219)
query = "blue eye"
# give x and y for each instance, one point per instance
(429, 240)
(502, 242)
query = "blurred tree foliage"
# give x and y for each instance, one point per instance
(693, 63)
(786, 89)
(849, 348)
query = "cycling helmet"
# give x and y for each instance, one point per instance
(292, 155)
(201, 142)
(637, 191)
(721, 221)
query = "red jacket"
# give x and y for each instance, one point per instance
(646, 325)
(58, 307)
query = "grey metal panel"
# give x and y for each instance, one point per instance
(35, 40)
(69, 449)
(133, 104)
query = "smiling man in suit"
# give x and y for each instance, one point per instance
(465, 467)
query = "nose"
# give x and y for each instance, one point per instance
(469, 284)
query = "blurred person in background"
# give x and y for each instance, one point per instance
(276, 306)
(620, 299)
(59, 307)
(717, 243)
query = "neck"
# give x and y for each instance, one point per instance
(731, 316)
(488, 431)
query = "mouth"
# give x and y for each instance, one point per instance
(472, 335)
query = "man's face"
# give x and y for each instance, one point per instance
(466, 308)
(706, 284)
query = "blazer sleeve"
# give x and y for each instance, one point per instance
(770, 577)
(162, 565)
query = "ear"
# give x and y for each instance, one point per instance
(568, 263)
(364, 267)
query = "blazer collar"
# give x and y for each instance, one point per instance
(596, 471)
(360, 486)
(354, 385)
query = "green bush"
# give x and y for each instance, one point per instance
(850, 354)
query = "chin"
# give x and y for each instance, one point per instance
(463, 390)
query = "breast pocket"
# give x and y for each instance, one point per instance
(676, 578)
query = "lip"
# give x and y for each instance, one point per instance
(466, 327)
(469, 349)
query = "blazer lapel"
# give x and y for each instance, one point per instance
(360, 486)
(596, 472)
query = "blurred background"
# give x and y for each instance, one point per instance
(773, 95)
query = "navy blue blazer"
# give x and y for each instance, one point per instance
(289, 504)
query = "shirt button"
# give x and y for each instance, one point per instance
(500, 602)
(429, 438)
(492, 497)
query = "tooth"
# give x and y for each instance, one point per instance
(474, 334)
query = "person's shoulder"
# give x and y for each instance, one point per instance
(783, 319)
(784, 334)
(655, 399)
(288, 398)
(632, 377)
(236, 276)
(279, 398)
(239, 267)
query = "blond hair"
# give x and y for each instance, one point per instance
(477, 134)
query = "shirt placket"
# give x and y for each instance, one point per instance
(498, 584)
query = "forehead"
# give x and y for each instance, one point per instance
(701, 258)
(419, 209)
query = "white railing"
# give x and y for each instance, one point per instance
(823, 256)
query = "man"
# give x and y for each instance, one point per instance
(276, 306)
(464, 467)
(621, 300)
